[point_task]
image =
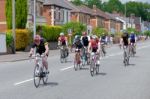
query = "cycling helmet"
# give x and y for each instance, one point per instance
(94, 37)
(61, 34)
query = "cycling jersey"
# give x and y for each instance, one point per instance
(132, 38)
(125, 37)
(78, 44)
(41, 47)
(85, 41)
(94, 45)
(62, 40)
(103, 39)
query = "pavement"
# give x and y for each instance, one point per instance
(20, 56)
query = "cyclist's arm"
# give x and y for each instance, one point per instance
(99, 47)
(32, 49)
(47, 48)
(66, 41)
(89, 47)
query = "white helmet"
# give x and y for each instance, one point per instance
(94, 37)
(61, 34)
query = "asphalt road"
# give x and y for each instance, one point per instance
(115, 81)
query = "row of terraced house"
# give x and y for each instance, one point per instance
(59, 12)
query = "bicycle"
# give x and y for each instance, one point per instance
(63, 54)
(126, 56)
(77, 60)
(132, 50)
(103, 52)
(84, 56)
(39, 71)
(94, 67)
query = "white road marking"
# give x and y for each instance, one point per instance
(23, 82)
(66, 68)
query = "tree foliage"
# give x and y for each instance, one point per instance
(21, 13)
(77, 2)
(99, 31)
(139, 9)
(113, 5)
(9, 13)
(90, 3)
(76, 27)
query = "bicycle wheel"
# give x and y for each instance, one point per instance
(125, 58)
(75, 66)
(45, 76)
(37, 77)
(83, 60)
(97, 69)
(61, 56)
(92, 68)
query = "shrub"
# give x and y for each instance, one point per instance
(99, 31)
(76, 27)
(23, 38)
(50, 33)
(147, 33)
(9, 38)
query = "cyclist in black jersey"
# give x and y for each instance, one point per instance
(41, 47)
(124, 41)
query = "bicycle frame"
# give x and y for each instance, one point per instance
(126, 55)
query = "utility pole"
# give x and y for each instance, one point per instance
(34, 29)
(13, 25)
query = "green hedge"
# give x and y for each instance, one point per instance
(50, 33)
(23, 38)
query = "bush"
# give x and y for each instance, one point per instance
(9, 38)
(50, 33)
(76, 27)
(23, 38)
(147, 33)
(99, 31)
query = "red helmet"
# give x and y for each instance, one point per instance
(37, 39)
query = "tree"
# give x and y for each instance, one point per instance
(99, 31)
(90, 3)
(9, 13)
(21, 13)
(77, 2)
(76, 27)
(113, 5)
(139, 9)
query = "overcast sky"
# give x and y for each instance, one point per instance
(132, 0)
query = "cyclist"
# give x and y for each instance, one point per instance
(41, 47)
(77, 42)
(103, 41)
(133, 40)
(62, 41)
(94, 46)
(85, 41)
(124, 41)
(78, 46)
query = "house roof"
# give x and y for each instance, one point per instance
(83, 9)
(111, 16)
(100, 13)
(61, 3)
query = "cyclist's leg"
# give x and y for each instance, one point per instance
(45, 62)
